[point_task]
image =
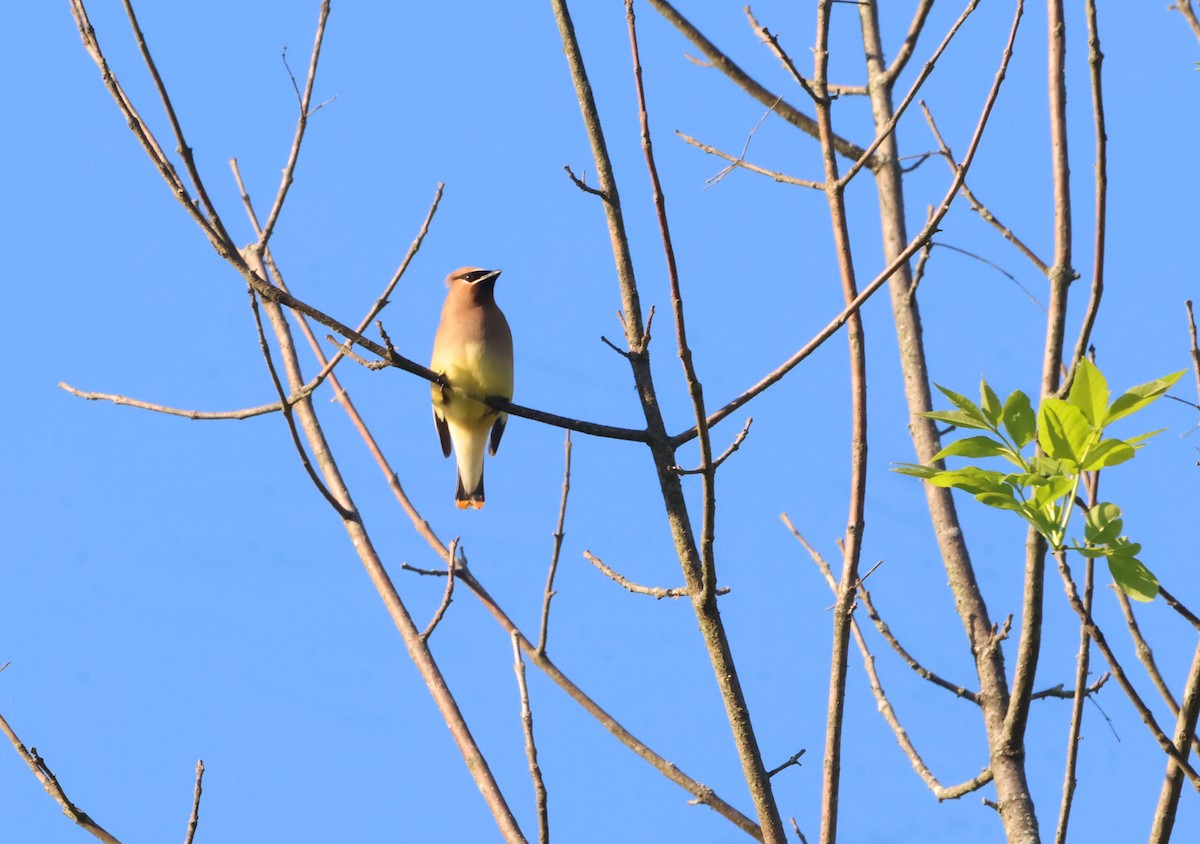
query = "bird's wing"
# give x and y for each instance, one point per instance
(497, 433)
(439, 422)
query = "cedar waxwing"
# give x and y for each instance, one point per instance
(473, 350)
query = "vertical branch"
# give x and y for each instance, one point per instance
(1095, 61)
(1082, 663)
(535, 771)
(558, 540)
(1007, 758)
(1061, 271)
(691, 559)
(194, 819)
(305, 101)
(708, 468)
(1061, 275)
(851, 547)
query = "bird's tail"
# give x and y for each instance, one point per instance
(474, 498)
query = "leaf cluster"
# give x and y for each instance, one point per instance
(1042, 488)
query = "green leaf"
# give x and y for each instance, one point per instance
(972, 447)
(1107, 453)
(965, 405)
(1122, 547)
(990, 403)
(1135, 580)
(1062, 430)
(1048, 467)
(1053, 489)
(1091, 552)
(1001, 500)
(1089, 392)
(1102, 524)
(957, 418)
(1143, 394)
(1019, 420)
(1140, 439)
(915, 469)
(969, 479)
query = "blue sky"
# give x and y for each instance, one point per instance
(176, 590)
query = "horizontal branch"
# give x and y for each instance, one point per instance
(656, 592)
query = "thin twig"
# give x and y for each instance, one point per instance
(741, 162)
(1082, 663)
(145, 137)
(194, 819)
(656, 592)
(1095, 60)
(796, 829)
(1185, 732)
(184, 150)
(794, 759)
(548, 594)
(1145, 655)
(740, 78)
(1184, 7)
(702, 794)
(1195, 350)
(883, 704)
(1119, 675)
(910, 42)
(50, 782)
(978, 206)
(772, 41)
(535, 771)
(708, 469)
(288, 416)
(725, 455)
(1175, 604)
(289, 168)
(901, 258)
(884, 132)
(447, 596)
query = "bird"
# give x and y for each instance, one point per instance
(473, 351)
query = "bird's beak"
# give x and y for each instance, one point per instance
(492, 276)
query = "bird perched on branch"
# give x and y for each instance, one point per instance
(473, 351)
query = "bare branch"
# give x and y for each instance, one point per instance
(900, 259)
(582, 185)
(740, 78)
(1176, 605)
(50, 782)
(1119, 673)
(884, 132)
(978, 206)
(194, 819)
(558, 540)
(447, 596)
(535, 771)
(1185, 733)
(337, 505)
(793, 760)
(772, 41)
(741, 162)
(881, 699)
(1184, 7)
(184, 150)
(656, 592)
(910, 42)
(289, 169)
